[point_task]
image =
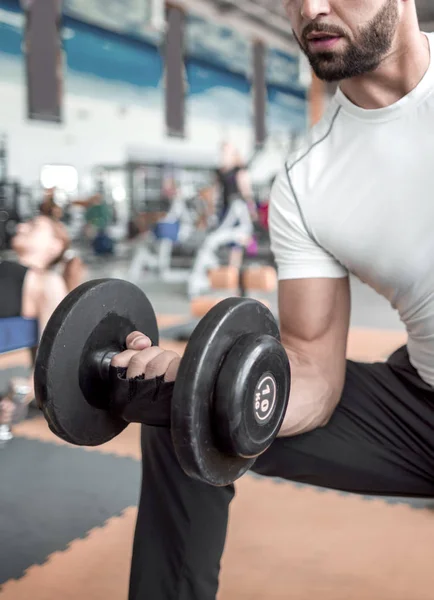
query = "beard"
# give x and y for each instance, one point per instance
(362, 55)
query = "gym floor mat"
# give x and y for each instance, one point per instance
(66, 531)
(52, 494)
(94, 568)
(283, 542)
(126, 444)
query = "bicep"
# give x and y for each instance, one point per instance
(314, 293)
(314, 318)
(297, 254)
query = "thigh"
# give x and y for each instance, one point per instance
(380, 439)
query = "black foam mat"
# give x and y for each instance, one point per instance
(51, 495)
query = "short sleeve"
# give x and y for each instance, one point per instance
(296, 253)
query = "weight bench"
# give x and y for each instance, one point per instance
(155, 254)
(17, 333)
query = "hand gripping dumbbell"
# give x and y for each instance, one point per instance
(224, 409)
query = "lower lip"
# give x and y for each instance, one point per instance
(324, 44)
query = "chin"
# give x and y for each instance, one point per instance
(328, 77)
(328, 70)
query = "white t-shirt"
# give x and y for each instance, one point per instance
(358, 196)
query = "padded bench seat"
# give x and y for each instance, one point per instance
(17, 333)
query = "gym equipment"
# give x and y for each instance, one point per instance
(17, 333)
(18, 391)
(226, 278)
(13, 200)
(236, 228)
(252, 247)
(254, 277)
(262, 278)
(249, 279)
(3, 157)
(227, 403)
(9, 215)
(177, 229)
(156, 251)
(102, 244)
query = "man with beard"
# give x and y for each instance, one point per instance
(355, 198)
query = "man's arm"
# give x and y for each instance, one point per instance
(314, 320)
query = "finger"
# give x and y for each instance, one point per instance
(172, 369)
(140, 361)
(122, 360)
(138, 341)
(159, 365)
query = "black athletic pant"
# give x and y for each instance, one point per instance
(380, 440)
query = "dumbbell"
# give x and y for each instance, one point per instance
(225, 407)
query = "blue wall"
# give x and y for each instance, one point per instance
(126, 66)
(114, 58)
(90, 51)
(218, 94)
(10, 33)
(219, 65)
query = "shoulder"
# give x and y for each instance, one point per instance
(317, 140)
(308, 160)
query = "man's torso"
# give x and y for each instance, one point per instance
(362, 187)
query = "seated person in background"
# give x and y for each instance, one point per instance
(98, 214)
(32, 287)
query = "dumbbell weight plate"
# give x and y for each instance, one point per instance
(195, 427)
(251, 394)
(98, 315)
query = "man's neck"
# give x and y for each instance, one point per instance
(399, 73)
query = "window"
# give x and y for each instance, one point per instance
(62, 177)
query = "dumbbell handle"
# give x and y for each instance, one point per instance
(138, 400)
(102, 362)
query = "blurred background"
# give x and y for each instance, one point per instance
(140, 140)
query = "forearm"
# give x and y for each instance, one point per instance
(313, 397)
